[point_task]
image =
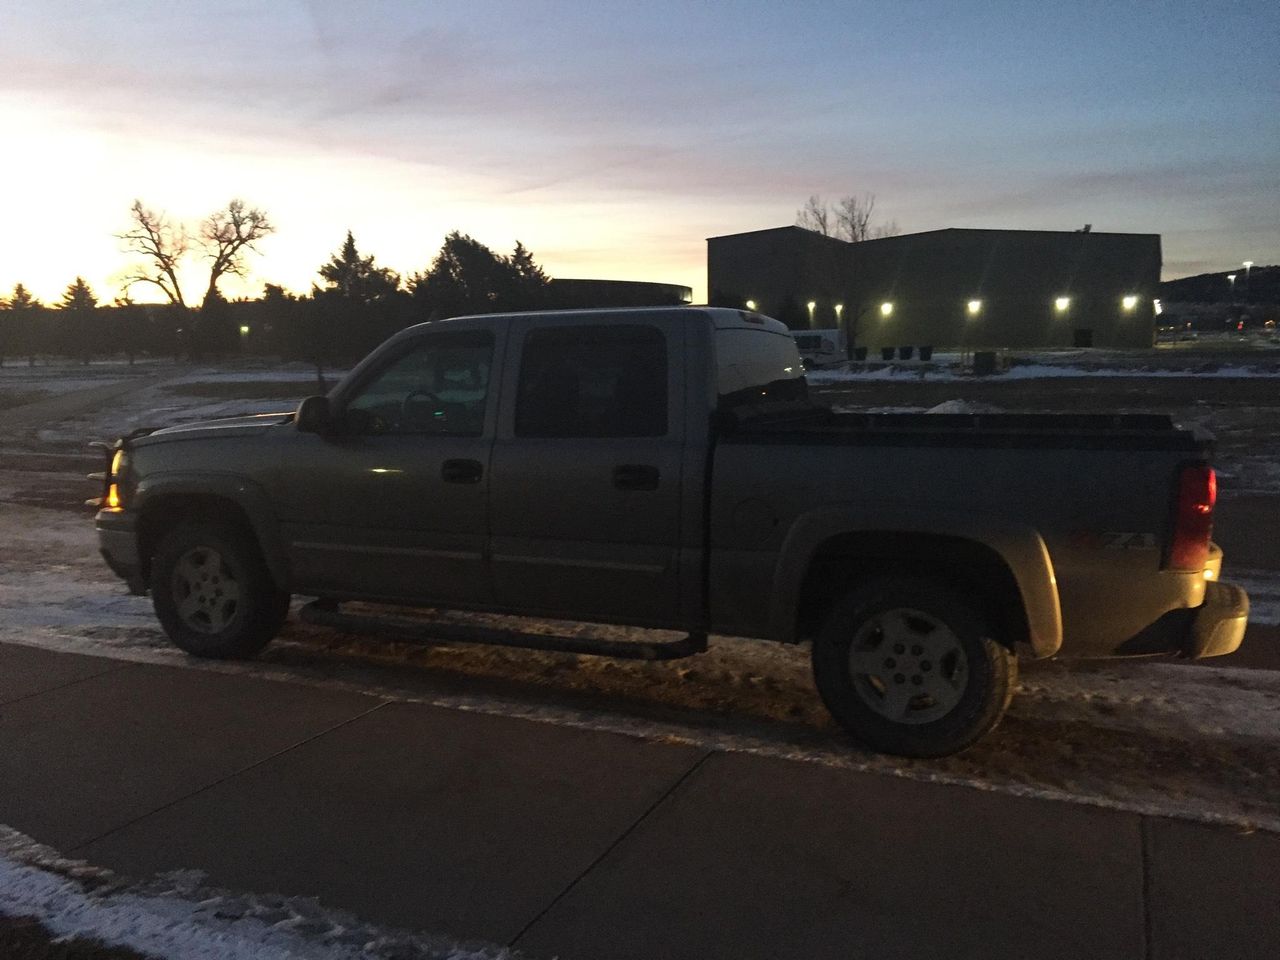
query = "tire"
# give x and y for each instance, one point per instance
(908, 667)
(212, 593)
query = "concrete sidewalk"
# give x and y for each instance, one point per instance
(582, 844)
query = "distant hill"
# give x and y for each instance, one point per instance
(1263, 287)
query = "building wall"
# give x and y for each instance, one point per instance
(929, 278)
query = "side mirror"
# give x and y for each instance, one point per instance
(313, 415)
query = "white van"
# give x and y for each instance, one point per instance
(820, 348)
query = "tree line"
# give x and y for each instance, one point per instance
(355, 304)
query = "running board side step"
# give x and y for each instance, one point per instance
(326, 613)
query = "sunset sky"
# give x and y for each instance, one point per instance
(613, 138)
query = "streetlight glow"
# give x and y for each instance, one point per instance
(1129, 302)
(751, 304)
(839, 310)
(975, 307)
(1061, 304)
(886, 309)
(244, 330)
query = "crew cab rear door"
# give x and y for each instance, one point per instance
(586, 476)
(394, 503)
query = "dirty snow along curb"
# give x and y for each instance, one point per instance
(175, 917)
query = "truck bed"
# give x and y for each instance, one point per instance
(1092, 431)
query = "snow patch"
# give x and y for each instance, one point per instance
(174, 916)
(1263, 589)
(1031, 371)
(963, 406)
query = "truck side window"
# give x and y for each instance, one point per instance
(605, 381)
(440, 386)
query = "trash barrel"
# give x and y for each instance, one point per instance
(984, 362)
(926, 353)
(904, 353)
(886, 353)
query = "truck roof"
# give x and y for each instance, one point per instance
(721, 318)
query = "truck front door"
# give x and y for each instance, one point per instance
(394, 503)
(585, 506)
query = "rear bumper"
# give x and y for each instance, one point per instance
(118, 544)
(1219, 623)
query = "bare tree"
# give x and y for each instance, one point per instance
(850, 220)
(225, 236)
(815, 215)
(163, 245)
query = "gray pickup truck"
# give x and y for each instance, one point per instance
(666, 469)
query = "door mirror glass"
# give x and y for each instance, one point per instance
(313, 415)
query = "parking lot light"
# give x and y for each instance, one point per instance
(1062, 304)
(1129, 302)
(244, 330)
(751, 304)
(886, 309)
(974, 307)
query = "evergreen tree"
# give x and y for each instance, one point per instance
(128, 326)
(79, 297)
(530, 280)
(355, 278)
(78, 333)
(23, 311)
(213, 330)
(467, 277)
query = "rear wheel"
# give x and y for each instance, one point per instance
(212, 592)
(909, 667)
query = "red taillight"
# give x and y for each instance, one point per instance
(1193, 518)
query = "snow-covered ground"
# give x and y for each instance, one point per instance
(176, 917)
(187, 394)
(1263, 587)
(1199, 742)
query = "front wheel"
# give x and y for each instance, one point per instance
(212, 592)
(909, 667)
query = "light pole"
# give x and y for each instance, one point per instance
(1248, 265)
(1231, 279)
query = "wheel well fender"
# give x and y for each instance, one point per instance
(1006, 566)
(164, 500)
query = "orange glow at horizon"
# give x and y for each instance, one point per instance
(76, 182)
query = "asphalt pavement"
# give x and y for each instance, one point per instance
(584, 844)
